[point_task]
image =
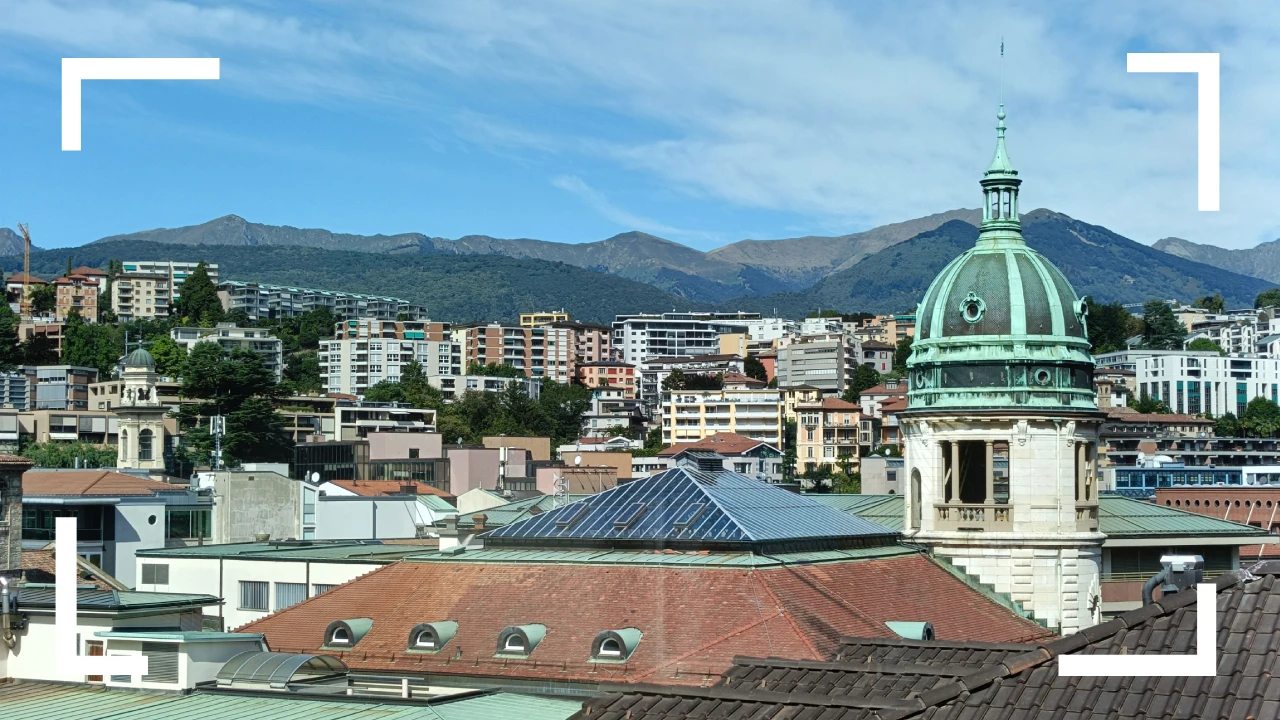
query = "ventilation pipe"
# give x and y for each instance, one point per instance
(6, 614)
(1180, 572)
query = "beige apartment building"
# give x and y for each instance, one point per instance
(830, 432)
(548, 351)
(135, 296)
(78, 292)
(742, 408)
(536, 319)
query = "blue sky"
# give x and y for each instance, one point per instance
(705, 123)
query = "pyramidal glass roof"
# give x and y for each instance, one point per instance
(689, 508)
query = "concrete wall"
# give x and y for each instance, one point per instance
(371, 518)
(472, 467)
(222, 576)
(619, 461)
(138, 527)
(538, 447)
(11, 515)
(396, 445)
(248, 503)
(583, 480)
(34, 656)
(476, 500)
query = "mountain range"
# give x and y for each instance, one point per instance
(1261, 261)
(478, 277)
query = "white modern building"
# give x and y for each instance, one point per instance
(231, 338)
(354, 364)
(691, 415)
(455, 386)
(261, 301)
(643, 336)
(1195, 383)
(826, 362)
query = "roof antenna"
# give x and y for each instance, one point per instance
(1002, 70)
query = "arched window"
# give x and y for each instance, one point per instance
(144, 445)
(339, 636)
(514, 644)
(426, 640)
(609, 648)
(915, 498)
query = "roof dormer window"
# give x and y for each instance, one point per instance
(431, 637)
(339, 636)
(520, 640)
(343, 634)
(615, 645)
(515, 644)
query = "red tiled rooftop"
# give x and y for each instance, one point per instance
(1129, 415)
(834, 403)
(39, 566)
(723, 443)
(105, 483)
(883, 389)
(739, 378)
(372, 488)
(694, 620)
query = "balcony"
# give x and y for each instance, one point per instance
(972, 517)
(1087, 518)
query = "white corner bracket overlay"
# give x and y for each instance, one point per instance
(76, 70)
(1209, 128)
(71, 664)
(1204, 663)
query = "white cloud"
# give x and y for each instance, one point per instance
(845, 113)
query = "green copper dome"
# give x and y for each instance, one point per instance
(1000, 327)
(140, 359)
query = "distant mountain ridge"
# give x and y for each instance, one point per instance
(1262, 261)
(882, 269)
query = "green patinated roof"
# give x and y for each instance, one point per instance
(1000, 327)
(24, 700)
(515, 511)
(435, 502)
(177, 635)
(320, 551)
(1118, 517)
(115, 600)
(666, 558)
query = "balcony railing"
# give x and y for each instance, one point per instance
(973, 516)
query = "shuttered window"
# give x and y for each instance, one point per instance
(162, 663)
(289, 594)
(321, 588)
(155, 574)
(253, 595)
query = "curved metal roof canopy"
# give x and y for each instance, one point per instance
(277, 669)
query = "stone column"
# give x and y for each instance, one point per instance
(953, 480)
(991, 473)
(11, 469)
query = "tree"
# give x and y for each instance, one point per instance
(44, 299)
(560, 408)
(1207, 345)
(1267, 298)
(1261, 418)
(418, 392)
(302, 373)
(91, 345)
(10, 354)
(169, 356)
(494, 370)
(1149, 405)
(1213, 303)
(198, 303)
(1160, 327)
(752, 367)
(239, 386)
(902, 353)
(385, 391)
(255, 432)
(1227, 426)
(38, 350)
(1110, 326)
(70, 455)
(680, 380)
(863, 378)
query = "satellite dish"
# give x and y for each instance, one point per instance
(315, 478)
(577, 460)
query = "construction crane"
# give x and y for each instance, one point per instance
(24, 304)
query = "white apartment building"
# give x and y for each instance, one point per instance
(372, 351)
(453, 387)
(691, 415)
(826, 362)
(262, 301)
(230, 338)
(769, 329)
(684, 334)
(654, 371)
(1195, 383)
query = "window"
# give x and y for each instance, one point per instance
(609, 648)
(144, 445)
(413, 453)
(514, 644)
(155, 574)
(339, 636)
(425, 640)
(289, 594)
(321, 588)
(253, 595)
(162, 662)
(187, 523)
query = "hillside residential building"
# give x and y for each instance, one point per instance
(230, 338)
(453, 387)
(261, 301)
(654, 371)
(367, 351)
(878, 355)
(551, 350)
(736, 453)
(611, 374)
(826, 362)
(136, 296)
(174, 271)
(13, 285)
(77, 293)
(536, 319)
(888, 329)
(830, 432)
(691, 415)
(612, 411)
(872, 399)
(15, 390)
(61, 387)
(1194, 382)
(769, 329)
(674, 334)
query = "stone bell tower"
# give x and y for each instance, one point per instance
(11, 469)
(1002, 423)
(142, 435)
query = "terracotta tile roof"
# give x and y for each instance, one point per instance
(893, 405)
(38, 567)
(88, 271)
(371, 488)
(883, 389)
(723, 443)
(1130, 415)
(877, 345)
(16, 279)
(694, 620)
(834, 403)
(740, 379)
(106, 483)
(954, 682)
